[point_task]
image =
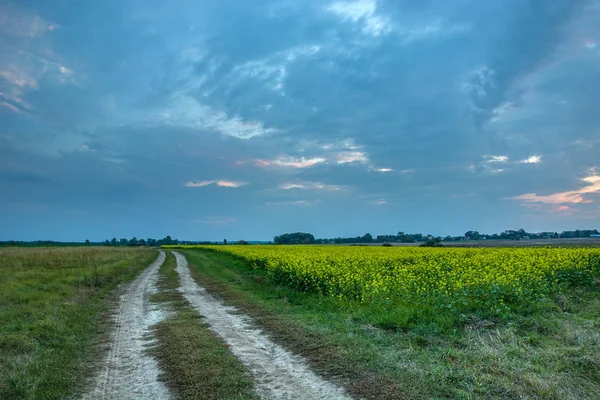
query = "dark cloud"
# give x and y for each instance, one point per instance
(411, 115)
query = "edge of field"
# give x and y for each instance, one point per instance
(551, 352)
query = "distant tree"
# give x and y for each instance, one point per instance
(294, 238)
(113, 242)
(123, 242)
(224, 241)
(133, 241)
(107, 243)
(473, 235)
(408, 239)
(167, 241)
(87, 241)
(367, 238)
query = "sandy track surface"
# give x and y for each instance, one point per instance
(128, 372)
(278, 373)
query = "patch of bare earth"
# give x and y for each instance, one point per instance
(128, 371)
(278, 373)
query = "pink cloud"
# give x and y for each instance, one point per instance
(298, 162)
(345, 157)
(9, 106)
(257, 162)
(19, 77)
(199, 183)
(310, 186)
(221, 183)
(230, 184)
(568, 197)
(564, 209)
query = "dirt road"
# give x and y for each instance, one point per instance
(128, 372)
(278, 373)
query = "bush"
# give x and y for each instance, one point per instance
(387, 244)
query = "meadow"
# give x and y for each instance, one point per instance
(53, 307)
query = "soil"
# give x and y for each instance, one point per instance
(128, 371)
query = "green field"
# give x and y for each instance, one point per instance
(53, 304)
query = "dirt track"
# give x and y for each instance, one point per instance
(128, 372)
(278, 374)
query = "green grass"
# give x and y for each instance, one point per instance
(550, 351)
(53, 314)
(197, 364)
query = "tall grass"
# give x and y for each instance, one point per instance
(51, 314)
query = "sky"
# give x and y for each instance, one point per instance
(238, 119)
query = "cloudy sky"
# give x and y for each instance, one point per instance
(244, 119)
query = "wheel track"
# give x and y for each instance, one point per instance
(128, 372)
(278, 373)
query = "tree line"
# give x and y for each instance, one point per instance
(402, 237)
(308, 238)
(112, 242)
(141, 242)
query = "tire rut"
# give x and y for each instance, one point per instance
(278, 374)
(128, 372)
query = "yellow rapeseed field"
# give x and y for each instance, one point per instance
(493, 279)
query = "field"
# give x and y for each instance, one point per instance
(348, 321)
(491, 282)
(424, 323)
(52, 302)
